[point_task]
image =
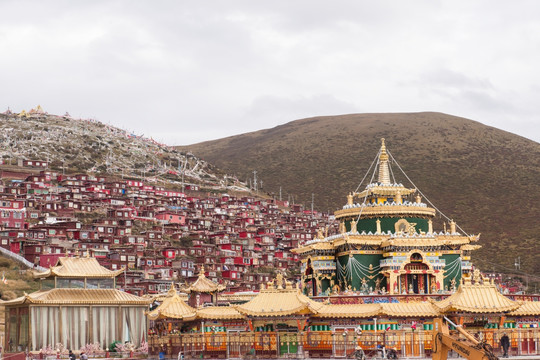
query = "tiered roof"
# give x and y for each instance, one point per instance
(78, 267)
(277, 300)
(203, 285)
(79, 296)
(477, 296)
(173, 307)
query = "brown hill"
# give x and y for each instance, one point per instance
(484, 178)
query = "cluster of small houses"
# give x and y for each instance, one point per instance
(157, 234)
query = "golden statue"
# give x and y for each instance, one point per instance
(350, 199)
(353, 226)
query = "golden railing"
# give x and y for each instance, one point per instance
(325, 344)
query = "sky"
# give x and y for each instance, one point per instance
(183, 72)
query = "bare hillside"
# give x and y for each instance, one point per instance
(484, 178)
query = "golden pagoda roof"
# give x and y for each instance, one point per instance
(173, 307)
(79, 267)
(349, 310)
(477, 298)
(278, 301)
(528, 308)
(409, 309)
(430, 241)
(79, 296)
(219, 313)
(203, 285)
(385, 210)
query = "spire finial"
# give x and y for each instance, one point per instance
(201, 273)
(384, 173)
(172, 290)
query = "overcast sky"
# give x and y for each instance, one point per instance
(188, 71)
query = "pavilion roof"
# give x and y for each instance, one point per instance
(219, 313)
(409, 309)
(528, 308)
(173, 307)
(349, 310)
(78, 267)
(276, 300)
(203, 285)
(477, 297)
(61, 296)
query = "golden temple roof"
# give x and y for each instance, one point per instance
(409, 309)
(203, 285)
(79, 267)
(477, 298)
(219, 313)
(278, 301)
(173, 307)
(418, 241)
(528, 308)
(385, 210)
(79, 296)
(349, 310)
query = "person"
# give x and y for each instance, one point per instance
(359, 353)
(71, 355)
(381, 349)
(505, 344)
(392, 353)
(162, 354)
(180, 356)
(83, 356)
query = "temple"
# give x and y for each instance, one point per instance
(78, 304)
(387, 245)
(382, 279)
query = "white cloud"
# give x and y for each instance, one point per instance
(189, 72)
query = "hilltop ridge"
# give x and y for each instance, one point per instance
(90, 146)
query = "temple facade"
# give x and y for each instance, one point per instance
(280, 322)
(387, 244)
(78, 304)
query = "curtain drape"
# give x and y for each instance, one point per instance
(45, 327)
(134, 325)
(75, 327)
(105, 325)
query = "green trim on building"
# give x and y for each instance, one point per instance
(387, 224)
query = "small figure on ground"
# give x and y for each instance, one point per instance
(71, 355)
(83, 356)
(392, 353)
(359, 353)
(505, 344)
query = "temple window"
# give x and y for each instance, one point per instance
(100, 283)
(70, 283)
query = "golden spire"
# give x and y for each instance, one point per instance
(384, 172)
(201, 273)
(172, 290)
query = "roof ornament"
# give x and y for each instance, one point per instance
(201, 272)
(452, 227)
(279, 281)
(384, 172)
(172, 290)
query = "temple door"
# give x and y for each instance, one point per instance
(412, 344)
(233, 345)
(288, 343)
(527, 343)
(343, 342)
